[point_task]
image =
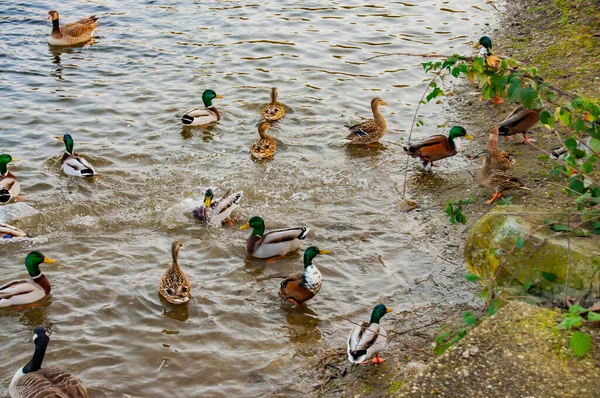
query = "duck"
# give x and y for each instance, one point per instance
(520, 120)
(265, 146)
(496, 180)
(27, 291)
(216, 212)
(10, 187)
(71, 33)
(203, 116)
(369, 131)
(73, 164)
(302, 286)
(500, 160)
(32, 380)
(490, 59)
(438, 146)
(276, 243)
(8, 232)
(275, 109)
(368, 339)
(174, 285)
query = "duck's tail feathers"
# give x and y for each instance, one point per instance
(88, 173)
(503, 130)
(4, 195)
(357, 354)
(187, 119)
(238, 197)
(303, 233)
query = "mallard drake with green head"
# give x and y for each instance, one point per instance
(520, 120)
(265, 146)
(73, 164)
(275, 109)
(9, 184)
(490, 59)
(276, 243)
(495, 180)
(303, 286)
(8, 231)
(438, 146)
(33, 381)
(174, 285)
(203, 116)
(369, 131)
(71, 33)
(27, 291)
(499, 159)
(216, 212)
(368, 339)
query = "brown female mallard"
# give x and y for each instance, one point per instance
(71, 33)
(174, 285)
(263, 147)
(520, 120)
(438, 146)
(370, 131)
(303, 286)
(275, 109)
(496, 180)
(50, 381)
(499, 159)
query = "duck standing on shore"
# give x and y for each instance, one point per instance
(520, 120)
(438, 146)
(496, 180)
(499, 159)
(368, 339)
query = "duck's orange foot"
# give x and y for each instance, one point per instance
(496, 196)
(497, 100)
(272, 260)
(291, 300)
(230, 222)
(525, 139)
(363, 363)
(508, 138)
(378, 360)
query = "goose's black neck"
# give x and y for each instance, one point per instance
(38, 356)
(55, 28)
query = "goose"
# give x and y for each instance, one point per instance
(71, 33)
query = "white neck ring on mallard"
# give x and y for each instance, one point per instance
(312, 278)
(457, 143)
(483, 52)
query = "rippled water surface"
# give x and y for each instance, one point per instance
(122, 97)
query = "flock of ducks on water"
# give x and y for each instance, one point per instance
(364, 341)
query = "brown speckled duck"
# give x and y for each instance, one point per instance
(71, 33)
(174, 285)
(303, 286)
(496, 180)
(275, 109)
(520, 120)
(369, 131)
(263, 147)
(33, 381)
(499, 159)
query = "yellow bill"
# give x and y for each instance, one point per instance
(207, 202)
(388, 310)
(49, 260)
(324, 251)
(469, 136)
(245, 226)
(219, 96)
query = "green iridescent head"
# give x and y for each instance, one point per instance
(68, 140)
(459, 132)
(486, 42)
(208, 197)
(311, 253)
(4, 161)
(208, 96)
(33, 261)
(379, 311)
(257, 224)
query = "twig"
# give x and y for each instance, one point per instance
(389, 338)
(164, 360)
(419, 55)
(568, 262)
(419, 328)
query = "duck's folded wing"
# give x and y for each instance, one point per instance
(284, 235)
(229, 200)
(78, 164)
(16, 288)
(362, 338)
(80, 28)
(515, 117)
(198, 112)
(6, 229)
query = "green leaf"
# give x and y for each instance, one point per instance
(520, 242)
(581, 343)
(549, 276)
(528, 286)
(570, 322)
(571, 143)
(560, 228)
(594, 145)
(492, 308)
(593, 317)
(586, 168)
(514, 90)
(576, 309)
(547, 119)
(528, 97)
(471, 277)
(468, 318)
